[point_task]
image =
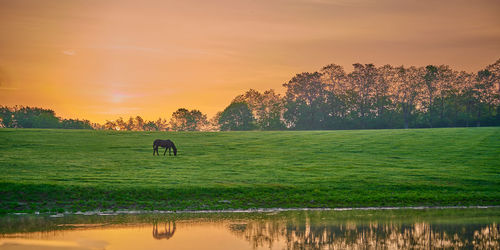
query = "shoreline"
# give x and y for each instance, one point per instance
(253, 210)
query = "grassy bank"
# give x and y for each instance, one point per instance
(73, 170)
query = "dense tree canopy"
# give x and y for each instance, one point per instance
(381, 97)
(237, 116)
(392, 97)
(185, 120)
(267, 108)
(32, 117)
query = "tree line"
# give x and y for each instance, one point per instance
(368, 97)
(371, 97)
(33, 117)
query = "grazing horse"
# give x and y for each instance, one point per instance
(167, 144)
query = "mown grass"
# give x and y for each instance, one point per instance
(79, 170)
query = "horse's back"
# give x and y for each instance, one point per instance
(163, 143)
(159, 142)
(168, 143)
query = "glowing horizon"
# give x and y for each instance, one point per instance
(100, 60)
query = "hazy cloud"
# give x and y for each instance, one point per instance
(136, 48)
(119, 97)
(119, 111)
(334, 2)
(69, 52)
(8, 88)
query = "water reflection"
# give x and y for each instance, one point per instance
(450, 229)
(393, 236)
(167, 232)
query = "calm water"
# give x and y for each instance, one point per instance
(389, 229)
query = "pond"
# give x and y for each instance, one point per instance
(393, 229)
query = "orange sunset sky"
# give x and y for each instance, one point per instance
(102, 59)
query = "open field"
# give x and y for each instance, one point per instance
(78, 170)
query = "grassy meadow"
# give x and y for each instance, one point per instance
(78, 170)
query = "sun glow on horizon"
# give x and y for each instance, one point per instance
(100, 60)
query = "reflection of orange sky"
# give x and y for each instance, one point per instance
(104, 59)
(268, 234)
(198, 236)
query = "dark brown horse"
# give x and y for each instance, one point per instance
(167, 144)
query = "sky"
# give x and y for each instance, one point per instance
(104, 59)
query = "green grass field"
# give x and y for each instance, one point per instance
(79, 170)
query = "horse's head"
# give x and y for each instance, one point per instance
(175, 150)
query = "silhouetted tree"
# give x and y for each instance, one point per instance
(362, 81)
(130, 124)
(6, 116)
(213, 124)
(33, 117)
(306, 101)
(237, 116)
(405, 90)
(338, 94)
(121, 124)
(383, 105)
(27, 117)
(185, 120)
(253, 99)
(75, 124)
(271, 112)
(267, 108)
(495, 91)
(465, 98)
(110, 125)
(138, 123)
(162, 124)
(430, 78)
(150, 126)
(485, 92)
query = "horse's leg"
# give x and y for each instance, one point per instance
(154, 150)
(165, 150)
(169, 150)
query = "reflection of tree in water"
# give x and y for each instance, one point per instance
(165, 232)
(304, 235)
(259, 233)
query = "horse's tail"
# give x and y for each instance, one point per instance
(174, 148)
